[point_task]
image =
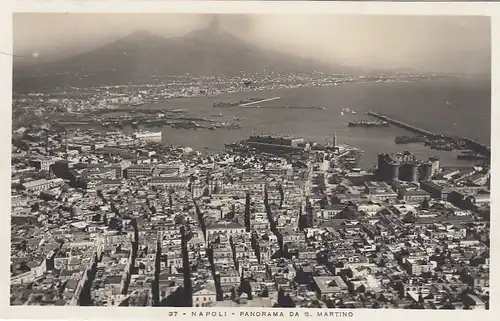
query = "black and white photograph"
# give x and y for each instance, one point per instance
(325, 161)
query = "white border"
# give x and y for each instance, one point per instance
(276, 7)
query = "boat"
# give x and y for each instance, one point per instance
(368, 123)
(466, 156)
(442, 147)
(178, 110)
(409, 139)
(225, 104)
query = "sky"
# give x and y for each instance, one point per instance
(460, 44)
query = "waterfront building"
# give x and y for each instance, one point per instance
(148, 136)
(142, 170)
(42, 184)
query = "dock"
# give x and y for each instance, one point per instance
(259, 101)
(403, 125)
(471, 144)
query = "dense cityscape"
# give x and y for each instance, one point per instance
(108, 208)
(117, 219)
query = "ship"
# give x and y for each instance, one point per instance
(409, 139)
(145, 135)
(470, 155)
(178, 110)
(139, 103)
(225, 104)
(445, 147)
(368, 123)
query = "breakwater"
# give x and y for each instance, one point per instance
(468, 143)
(259, 101)
(403, 125)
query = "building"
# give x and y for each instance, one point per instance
(138, 171)
(418, 266)
(120, 167)
(330, 211)
(405, 166)
(330, 287)
(410, 193)
(226, 228)
(42, 164)
(273, 140)
(381, 190)
(170, 182)
(230, 277)
(148, 136)
(204, 295)
(436, 189)
(42, 184)
(426, 171)
(409, 172)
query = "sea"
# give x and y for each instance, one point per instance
(449, 106)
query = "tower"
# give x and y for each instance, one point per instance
(46, 141)
(425, 171)
(393, 171)
(66, 141)
(334, 140)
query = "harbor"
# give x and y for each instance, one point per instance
(438, 141)
(403, 125)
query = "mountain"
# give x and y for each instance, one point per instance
(137, 57)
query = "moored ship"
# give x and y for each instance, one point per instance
(409, 139)
(470, 155)
(368, 123)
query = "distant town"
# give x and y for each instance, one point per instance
(71, 105)
(120, 219)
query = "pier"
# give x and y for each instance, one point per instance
(258, 101)
(403, 125)
(471, 144)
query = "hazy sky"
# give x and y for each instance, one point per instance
(430, 43)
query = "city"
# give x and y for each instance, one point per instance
(195, 167)
(272, 222)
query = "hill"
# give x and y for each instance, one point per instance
(137, 57)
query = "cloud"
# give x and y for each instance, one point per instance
(441, 43)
